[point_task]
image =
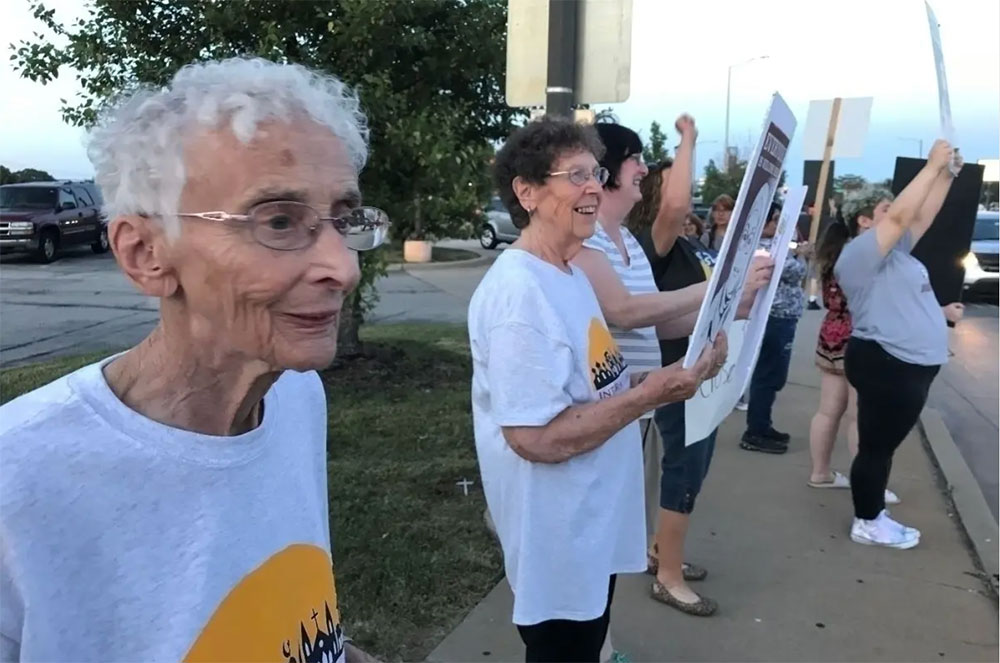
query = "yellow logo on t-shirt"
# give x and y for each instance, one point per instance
(603, 358)
(284, 610)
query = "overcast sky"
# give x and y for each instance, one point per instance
(680, 55)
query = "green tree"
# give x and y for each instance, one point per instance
(845, 183)
(717, 182)
(430, 74)
(656, 147)
(7, 176)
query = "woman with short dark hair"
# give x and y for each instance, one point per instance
(555, 404)
(718, 221)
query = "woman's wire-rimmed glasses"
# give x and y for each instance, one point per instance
(285, 225)
(580, 176)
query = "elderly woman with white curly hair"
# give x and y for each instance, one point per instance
(170, 502)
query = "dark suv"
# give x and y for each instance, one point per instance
(44, 217)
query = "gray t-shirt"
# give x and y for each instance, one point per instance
(891, 300)
(123, 539)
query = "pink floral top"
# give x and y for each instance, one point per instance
(836, 327)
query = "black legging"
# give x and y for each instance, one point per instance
(891, 394)
(565, 640)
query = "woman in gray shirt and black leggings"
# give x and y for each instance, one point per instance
(899, 342)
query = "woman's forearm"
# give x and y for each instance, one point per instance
(676, 201)
(661, 307)
(578, 429)
(905, 210)
(681, 327)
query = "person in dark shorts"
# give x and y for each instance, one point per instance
(678, 262)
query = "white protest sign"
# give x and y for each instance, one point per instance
(743, 234)
(717, 397)
(944, 102)
(851, 130)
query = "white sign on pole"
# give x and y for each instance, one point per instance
(749, 215)
(991, 169)
(851, 131)
(944, 102)
(717, 397)
(604, 48)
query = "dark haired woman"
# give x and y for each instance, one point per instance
(718, 220)
(694, 227)
(837, 399)
(677, 263)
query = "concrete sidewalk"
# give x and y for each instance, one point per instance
(790, 583)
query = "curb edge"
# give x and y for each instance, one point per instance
(973, 513)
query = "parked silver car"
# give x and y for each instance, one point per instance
(982, 263)
(498, 227)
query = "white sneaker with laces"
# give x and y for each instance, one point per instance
(884, 531)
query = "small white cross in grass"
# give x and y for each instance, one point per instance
(465, 483)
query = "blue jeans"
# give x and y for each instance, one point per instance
(771, 372)
(684, 468)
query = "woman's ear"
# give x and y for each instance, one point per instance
(527, 194)
(141, 248)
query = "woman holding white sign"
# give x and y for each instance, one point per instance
(639, 314)
(554, 404)
(899, 341)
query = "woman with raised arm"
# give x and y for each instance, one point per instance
(899, 340)
(677, 264)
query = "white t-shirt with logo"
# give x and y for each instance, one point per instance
(123, 539)
(540, 345)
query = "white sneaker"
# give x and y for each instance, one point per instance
(742, 406)
(884, 531)
(910, 531)
(891, 497)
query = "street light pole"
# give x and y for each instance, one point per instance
(725, 144)
(918, 141)
(729, 81)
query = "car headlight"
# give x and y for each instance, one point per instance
(970, 261)
(21, 227)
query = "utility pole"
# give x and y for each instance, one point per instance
(560, 94)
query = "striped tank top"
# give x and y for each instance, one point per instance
(640, 347)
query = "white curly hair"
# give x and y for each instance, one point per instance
(136, 145)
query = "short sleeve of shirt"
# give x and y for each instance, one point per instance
(858, 263)
(529, 375)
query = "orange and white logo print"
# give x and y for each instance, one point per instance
(604, 360)
(284, 610)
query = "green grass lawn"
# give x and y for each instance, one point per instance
(411, 553)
